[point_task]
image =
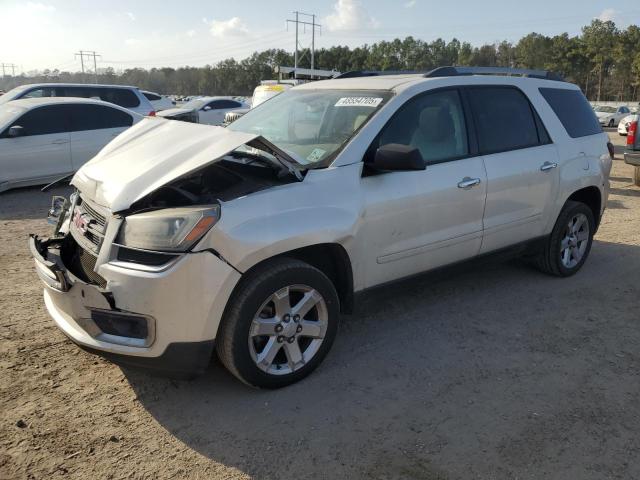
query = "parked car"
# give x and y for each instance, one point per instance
(158, 101)
(208, 110)
(632, 153)
(623, 126)
(610, 116)
(261, 94)
(124, 96)
(252, 239)
(43, 139)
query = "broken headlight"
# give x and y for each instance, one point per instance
(170, 229)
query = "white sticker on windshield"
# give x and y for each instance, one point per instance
(359, 102)
(316, 154)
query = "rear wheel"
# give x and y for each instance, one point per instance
(569, 244)
(280, 324)
(636, 176)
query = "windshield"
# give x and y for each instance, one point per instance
(11, 94)
(196, 104)
(312, 125)
(605, 109)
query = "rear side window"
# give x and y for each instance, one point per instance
(43, 121)
(504, 119)
(96, 117)
(573, 111)
(152, 96)
(120, 96)
(216, 104)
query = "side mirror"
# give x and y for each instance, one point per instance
(395, 156)
(15, 131)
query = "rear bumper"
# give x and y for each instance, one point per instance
(632, 158)
(179, 308)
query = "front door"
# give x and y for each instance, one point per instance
(42, 152)
(418, 220)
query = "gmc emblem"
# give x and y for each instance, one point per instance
(81, 222)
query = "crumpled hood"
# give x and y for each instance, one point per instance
(150, 154)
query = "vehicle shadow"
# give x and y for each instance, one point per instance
(29, 202)
(436, 374)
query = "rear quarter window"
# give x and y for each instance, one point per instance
(573, 110)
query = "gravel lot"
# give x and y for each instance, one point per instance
(489, 372)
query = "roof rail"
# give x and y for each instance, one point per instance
(376, 73)
(457, 71)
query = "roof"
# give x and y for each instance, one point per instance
(29, 103)
(61, 84)
(382, 82)
(403, 81)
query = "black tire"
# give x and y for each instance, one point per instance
(611, 123)
(549, 259)
(232, 342)
(636, 176)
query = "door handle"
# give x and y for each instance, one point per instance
(546, 166)
(468, 182)
(60, 141)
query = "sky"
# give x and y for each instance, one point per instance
(47, 33)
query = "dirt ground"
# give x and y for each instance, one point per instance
(492, 372)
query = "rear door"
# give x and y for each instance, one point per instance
(521, 165)
(42, 152)
(213, 113)
(414, 221)
(92, 127)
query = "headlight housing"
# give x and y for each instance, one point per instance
(169, 229)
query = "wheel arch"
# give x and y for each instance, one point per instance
(590, 196)
(331, 259)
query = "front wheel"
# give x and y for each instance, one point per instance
(636, 176)
(279, 325)
(611, 123)
(570, 241)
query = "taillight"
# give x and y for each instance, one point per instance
(611, 150)
(152, 113)
(632, 131)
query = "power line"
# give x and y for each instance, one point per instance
(89, 54)
(313, 26)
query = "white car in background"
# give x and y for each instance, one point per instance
(125, 96)
(158, 102)
(623, 126)
(208, 110)
(43, 139)
(610, 116)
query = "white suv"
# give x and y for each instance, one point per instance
(251, 239)
(128, 97)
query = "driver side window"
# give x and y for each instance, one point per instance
(433, 123)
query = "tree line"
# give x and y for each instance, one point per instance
(603, 60)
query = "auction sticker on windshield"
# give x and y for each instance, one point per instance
(359, 102)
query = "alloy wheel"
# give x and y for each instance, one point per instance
(288, 329)
(575, 241)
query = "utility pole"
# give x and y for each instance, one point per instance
(313, 26)
(12, 66)
(88, 54)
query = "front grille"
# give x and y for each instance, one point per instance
(86, 264)
(88, 225)
(81, 262)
